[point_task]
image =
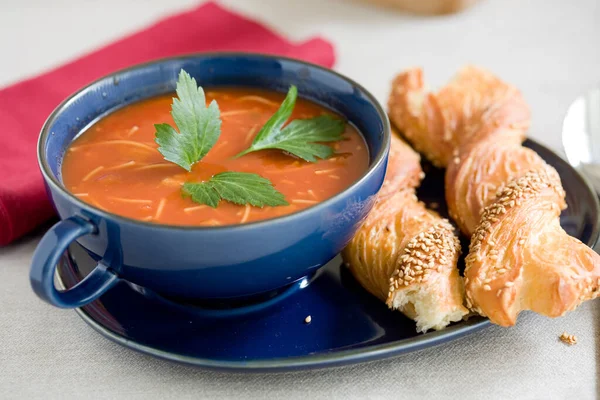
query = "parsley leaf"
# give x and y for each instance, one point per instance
(199, 126)
(236, 187)
(301, 137)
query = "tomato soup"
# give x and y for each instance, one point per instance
(115, 164)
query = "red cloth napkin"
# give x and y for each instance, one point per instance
(25, 105)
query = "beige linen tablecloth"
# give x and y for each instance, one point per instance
(550, 49)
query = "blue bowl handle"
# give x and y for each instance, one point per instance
(46, 258)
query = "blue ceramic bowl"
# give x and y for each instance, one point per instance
(193, 262)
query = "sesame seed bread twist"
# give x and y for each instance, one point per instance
(406, 254)
(501, 193)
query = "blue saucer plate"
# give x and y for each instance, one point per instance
(347, 325)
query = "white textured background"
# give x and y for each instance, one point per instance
(549, 49)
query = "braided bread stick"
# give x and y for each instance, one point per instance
(501, 193)
(405, 254)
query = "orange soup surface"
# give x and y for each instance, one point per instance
(115, 165)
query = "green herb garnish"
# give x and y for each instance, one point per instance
(235, 187)
(199, 126)
(301, 137)
(199, 129)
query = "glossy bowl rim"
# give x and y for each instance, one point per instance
(49, 178)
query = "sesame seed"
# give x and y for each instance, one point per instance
(487, 288)
(308, 319)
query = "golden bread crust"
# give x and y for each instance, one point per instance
(521, 259)
(403, 169)
(500, 192)
(402, 246)
(473, 106)
(472, 181)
